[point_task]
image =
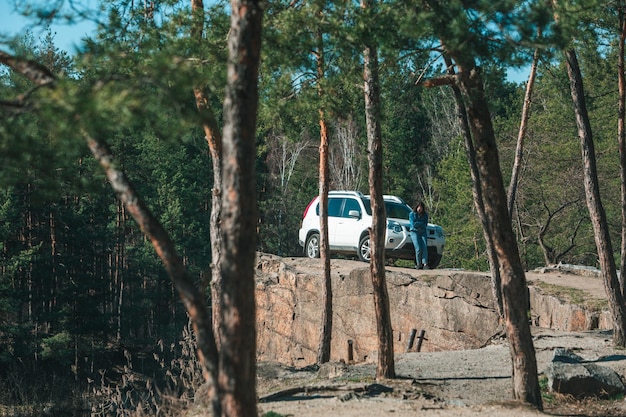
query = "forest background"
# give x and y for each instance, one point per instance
(79, 280)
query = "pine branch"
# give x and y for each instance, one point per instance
(32, 70)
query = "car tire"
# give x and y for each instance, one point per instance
(312, 247)
(433, 258)
(432, 264)
(364, 251)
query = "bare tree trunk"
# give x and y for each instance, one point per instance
(594, 203)
(496, 281)
(621, 140)
(191, 297)
(386, 362)
(29, 240)
(519, 150)
(324, 351)
(514, 290)
(323, 354)
(118, 273)
(214, 141)
(237, 363)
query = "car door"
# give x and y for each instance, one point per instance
(335, 205)
(348, 228)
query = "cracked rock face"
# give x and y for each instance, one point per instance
(455, 309)
(571, 374)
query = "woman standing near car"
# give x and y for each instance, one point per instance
(418, 223)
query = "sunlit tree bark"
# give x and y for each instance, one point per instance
(237, 359)
(521, 136)
(621, 136)
(386, 362)
(191, 297)
(594, 203)
(214, 140)
(323, 354)
(496, 281)
(514, 290)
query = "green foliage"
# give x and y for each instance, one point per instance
(546, 395)
(57, 347)
(275, 414)
(73, 263)
(407, 147)
(465, 246)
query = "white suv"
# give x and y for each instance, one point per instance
(349, 220)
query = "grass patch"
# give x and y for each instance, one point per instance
(572, 295)
(546, 395)
(403, 263)
(359, 379)
(275, 414)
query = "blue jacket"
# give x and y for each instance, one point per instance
(418, 223)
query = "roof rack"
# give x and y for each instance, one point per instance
(340, 192)
(386, 197)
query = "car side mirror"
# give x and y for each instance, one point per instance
(354, 214)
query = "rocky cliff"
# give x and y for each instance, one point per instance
(455, 309)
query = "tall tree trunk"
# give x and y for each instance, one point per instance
(214, 141)
(118, 272)
(191, 297)
(29, 236)
(237, 359)
(323, 354)
(521, 136)
(621, 139)
(496, 281)
(594, 203)
(54, 285)
(386, 362)
(514, 290)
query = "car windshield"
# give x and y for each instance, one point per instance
(394, 210)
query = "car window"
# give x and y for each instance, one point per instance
(397, 211)
(351, 204)
(334, 207)
(394, 210)
(367, 205)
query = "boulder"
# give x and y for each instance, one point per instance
(570, 374)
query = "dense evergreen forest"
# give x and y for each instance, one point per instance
(81, 288)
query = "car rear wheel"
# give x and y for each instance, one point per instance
(312, 247)
(364, 253)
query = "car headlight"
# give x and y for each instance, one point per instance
(395, 226)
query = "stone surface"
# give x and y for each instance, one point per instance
(555, 313)
(570, 374)
(456, 309)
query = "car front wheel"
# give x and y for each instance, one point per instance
(364, 251)
(312, 247)
(433, 258)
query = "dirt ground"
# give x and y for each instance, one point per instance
(454, 383)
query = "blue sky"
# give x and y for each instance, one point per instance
(67, 36)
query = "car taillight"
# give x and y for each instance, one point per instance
(306, 210)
